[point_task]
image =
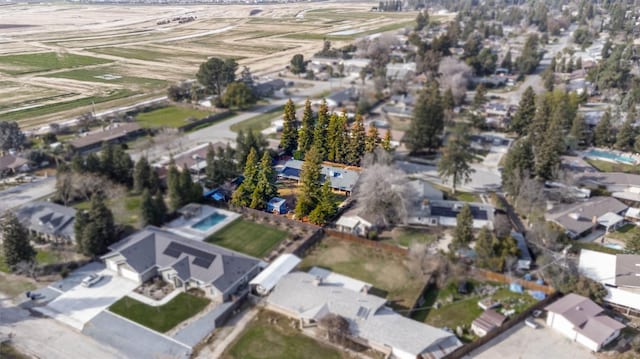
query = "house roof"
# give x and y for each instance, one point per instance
(628, 270)
(110, 133)
(425, 190)
(343, 179)
(450, 209)
(578, 218)
(11, 162)
(575, 308)
(194, 158)
(598, 266)
(367, 315)
(338, 280)
(599, 328)
(609, 219)
(153, 247)
(610, 178)
(48, 218)
(271, 275)
(633, 212)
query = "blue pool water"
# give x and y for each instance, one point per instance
(614, 246)
(610, 156)
(208, 222)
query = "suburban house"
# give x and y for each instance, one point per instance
(305, 297)
(592, 217)
(623, 186)
(194, 159)
(342, 99)
(269, 87)
(182, 262)
(620, 275)
(50, 221)
(11, 164)
(341, 178)
(114, 133)
(444, 213)
(583, 321)
(488, 321)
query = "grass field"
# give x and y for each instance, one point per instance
(606, 166)
(46, 256)
(98, 75)
(126, 210)
(13, 285)
(386, 271)
(265, 338)
(164, 317)
(45, 61)
(404, 237)
(625, 232)
(248, 237)
(171, 116)
(259, 122)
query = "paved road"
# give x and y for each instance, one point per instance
(19, 195)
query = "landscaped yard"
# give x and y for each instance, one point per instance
(404, 237)
(13, 285)
(270, 336)
(248, 237)
(259, 122)
(386, 271)
(625, 232)
(45, 61)
(170, 116)
(606, 166)
(164, 317)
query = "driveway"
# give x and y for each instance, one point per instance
(80, 304)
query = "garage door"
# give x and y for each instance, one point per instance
(124, 271)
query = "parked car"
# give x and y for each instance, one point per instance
(536, 313)
(90, 280)
(530, 322)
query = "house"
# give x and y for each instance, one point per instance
(354, 223)
(341, 179)
(488, 321)
(184, 263)
(114, 133)
(583, 321)
(264, 282)
(342, 99)
(623, 186)
(269, 87)
(330, 278)
(308, 299)
(620, 275)
(194, 159)
(11, 164)
(48, 220)
(594, 216)
(524, 256)
(400, 70)
(277, 205)
(444, 213)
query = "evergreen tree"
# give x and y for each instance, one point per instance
(190, 191)
(265, 187)
(160, 208)
(147, 210)
(464, 229)
(242, 195)
(548, 157)
(122, 171)
(15, 241)
(107, 160)
(579, 135)
(310, 177)
(81, 221)
(320, 132)
(507, 62)
(603, 134)
(428, 120)
(142, 175)
(173, 186)
(525, 113)
(372, 139)
(77, 163)
(627, 135)
(356, 142)
(448, 100)
(487, 251)
(92, 163)
(245, 142)
(386, 141)
(456, 158)
(305, 135)
(289, 139)
(336, 138)
(326, 207)
(480, 98)
(519, 162)
(99, 232)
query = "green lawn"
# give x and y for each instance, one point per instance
(606, 166)
(164, 317)
(46, 256)
(458, 196)
(259, 122)
(248, 237)
(98, 75)
(3, 266)
(126, 210)
(577, 246)
(265, 339)
(45, 61)
(205, 125)
(625, 232)
(171, 116)
(405, 236)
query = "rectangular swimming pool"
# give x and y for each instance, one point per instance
(610, 156)
(206, 223)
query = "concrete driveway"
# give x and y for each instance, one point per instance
(79, 304)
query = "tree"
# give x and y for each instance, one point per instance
(242, 195)
(215, 74)
(491, 252)
(579, 134)
(627, 135)
(525, 113)
(305, 135)
(455, 75)
(244, 144)
(142, 175)
(173, 186)
(386, 141)
(220, 166)
(289, 139)
(448, 101)
(15, 241)
(356, 141)
(64, 187)
(422, 20)
(298, 65)
(147, 210)
(320, 132)
(98, 231)
(480, 98)
(428, 120)
(238, 95)
(326, 207)
(603, 134)
(372, 139)
(548, 153)
(337, 138)
(265, 187)
(507, 62)
(336, 328)
(456, 158)
(519, 162)
(11, 137)
(310, 179)
(530, 57)
(464, 229)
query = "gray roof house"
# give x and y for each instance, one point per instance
(49, 220)
(185, 263)
(305, 297)
(580, 219)
(342, 178)
(443, 213)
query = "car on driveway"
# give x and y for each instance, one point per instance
(90, 280)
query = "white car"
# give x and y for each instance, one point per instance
(91, 280)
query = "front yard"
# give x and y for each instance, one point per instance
(386, 271)
(271, 336)
(248, 237)
(161, 318)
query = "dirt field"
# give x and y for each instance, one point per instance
(69, 53)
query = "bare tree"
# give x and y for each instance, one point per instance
(336, 328)
(456, 75)
(438, 269)
(28, 268)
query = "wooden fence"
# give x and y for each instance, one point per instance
(384, 246)
(498, 277)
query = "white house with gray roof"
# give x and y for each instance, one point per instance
(305, 297)
(50, 221)
(185, 263)
(341, 178)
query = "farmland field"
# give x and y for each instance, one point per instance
(171, 116)
(44, 61)
(108, 75)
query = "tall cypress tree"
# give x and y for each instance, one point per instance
(372, 140)
(305, 135)
(310, 177)
(15, 241)
(525, 113)
(242, 195)
(320, 132)
(141, 175)
(289, 139)
(356, 141)
(428, 120)
(464, 228)
(265, 187)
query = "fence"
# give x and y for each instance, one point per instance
(468, 348)
(367, 242)
(306, 243)
(203, 121)
(270, 217)
(497, 277)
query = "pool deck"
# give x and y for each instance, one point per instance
(183, 226)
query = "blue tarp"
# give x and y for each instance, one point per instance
(540, 281)
(527, 277)
(538, 295)
(515, 287)
(218, 196)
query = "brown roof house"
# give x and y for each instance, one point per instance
(10, 164)
(581, 320)
(488, 321)
(114, 133)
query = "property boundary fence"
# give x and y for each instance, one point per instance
(498, 277)
(368, 242)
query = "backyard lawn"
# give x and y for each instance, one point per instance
(404, 237)
(625, 232)
(45, 61)
(366, 263)
(248, 237)
(164, 317)
(126, 210)
(259, 122)
(170, 116)
(269, 336)
(606, 166)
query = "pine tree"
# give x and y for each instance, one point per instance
(336, 138)
(627, 135)
(480, 97)
(265, 187)
(507, 62)
(525, 113)
(15, 241)
(386, 141)
(372, 139)
(579, 135)
(448, 100)
(99, 231)
(428, 120)
(603, 135)
(289, 139)
(310, 177)
(356, 141)
(519, 162)
(486, 254)
(107, 160)
(305, 135)
(242, 195)
(548, 155)
(77, 163)
(122, 171)
(147, 210)
(160, 208)
(173, 186)
(464, 228)
(456, 158)
(320, 131)
(326, 207)
(141, 175)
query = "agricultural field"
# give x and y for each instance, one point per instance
(171, 116)
(100, 57)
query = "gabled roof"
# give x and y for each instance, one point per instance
(575, 308)
(343, 179)
(578, 218)
(115, 131)
(11, 162)
(489, 319)
(153, 247)
(48, 218)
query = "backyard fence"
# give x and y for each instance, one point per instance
(278, 219)
(498, 277)
(368, 242)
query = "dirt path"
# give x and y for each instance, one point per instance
(227, 334)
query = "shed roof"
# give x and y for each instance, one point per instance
(270, 276)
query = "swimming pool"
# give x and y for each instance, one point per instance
(614, 246)
(610, 156)
(206, 223)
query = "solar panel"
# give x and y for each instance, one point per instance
(202, 258)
